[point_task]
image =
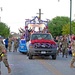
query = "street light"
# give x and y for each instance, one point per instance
(70, 15)
(0, 10)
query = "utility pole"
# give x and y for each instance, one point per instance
(39, 14)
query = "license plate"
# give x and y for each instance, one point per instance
(43, 45)
(43, 52)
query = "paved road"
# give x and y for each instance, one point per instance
(21, 65)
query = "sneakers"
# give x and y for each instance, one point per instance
(9, 70)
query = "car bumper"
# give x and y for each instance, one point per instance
(42, 51)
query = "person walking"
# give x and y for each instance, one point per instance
(3, 55)
(6, 43)
(59, 43)
(15, 45)
(64, 46)
(10, 44)
(73, 53)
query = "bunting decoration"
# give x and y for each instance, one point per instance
(44, 43)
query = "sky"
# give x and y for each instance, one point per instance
(15, 12)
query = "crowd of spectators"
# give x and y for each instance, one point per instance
(63, 43)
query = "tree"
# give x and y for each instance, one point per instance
(4, 30)
(56, 24)
(73, 27)
(66, 28)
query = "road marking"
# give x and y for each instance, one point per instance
(50, 67)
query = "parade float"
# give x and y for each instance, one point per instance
(35, 25)
(40, 40)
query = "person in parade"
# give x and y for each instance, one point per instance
(3, 55)
(15, 45)
(10, 44)
(64, 46)
(59, 43)
(73, 53)
(6, 43)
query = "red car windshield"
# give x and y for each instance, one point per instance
(41, 36)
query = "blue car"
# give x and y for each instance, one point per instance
(22, 46)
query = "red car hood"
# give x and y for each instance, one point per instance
(43, 41)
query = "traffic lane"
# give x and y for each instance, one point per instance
(21, 65)
(58, 67)
(63, 65)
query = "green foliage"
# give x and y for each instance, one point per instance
(73, 27)
(56, 24)
(66, 28)
(4, 30)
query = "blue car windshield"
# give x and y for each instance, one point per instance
(23, 41)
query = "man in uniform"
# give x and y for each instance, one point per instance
(10, 44)
(15, 45)
(64, 46)
(3, 55)
(73, 53)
